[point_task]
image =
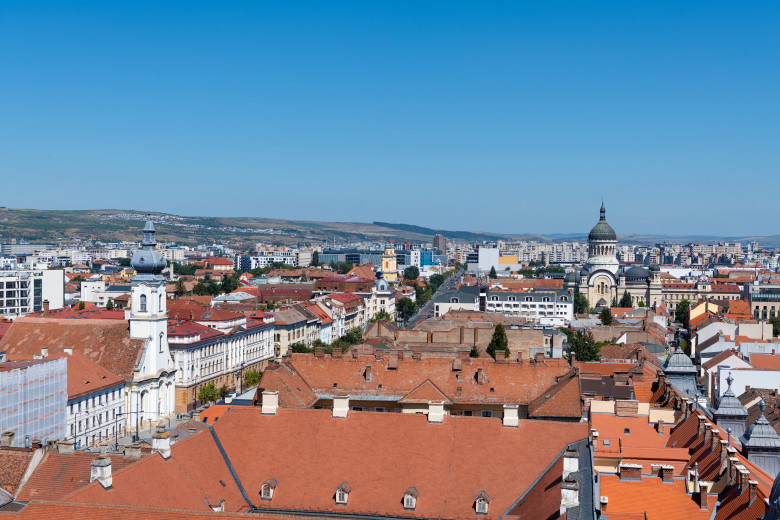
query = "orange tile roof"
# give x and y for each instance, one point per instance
(50, 511)
(641, 433)
(658, 500)
(106, 342)
(765, 361)
(560, 400)
(13, 465)
(213, 413)
(85, 376)
(60, 475)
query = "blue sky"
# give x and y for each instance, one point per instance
(502, 116)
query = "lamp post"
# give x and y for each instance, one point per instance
(242, 376)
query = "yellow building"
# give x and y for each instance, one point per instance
(389, 265)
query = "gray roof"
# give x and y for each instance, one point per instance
(679, 362)
(602, 230)
(760, 434)
(729, 404)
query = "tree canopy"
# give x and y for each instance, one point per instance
(682, 312)
(606, 316)
(499, 341)
(411, 272)
(252, 377)
(405, 308)
(584, 346)
(208, 393)
(625, 300)
(493, 274)
(581, 304)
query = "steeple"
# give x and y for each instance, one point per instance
(730, 414)
(147, 261)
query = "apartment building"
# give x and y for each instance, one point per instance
(23, 291)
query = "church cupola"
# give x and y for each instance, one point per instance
(147, 260)
(602, 246)
(730, 413)
(761, 444)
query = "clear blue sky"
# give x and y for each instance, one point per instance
(504, 116)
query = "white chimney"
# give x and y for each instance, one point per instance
(511, 417)
(270, 402)
(161, 442)
(340, 405)
(44, 352)
(68, 351)
(570, 494)
(100, 469)
(571, 462)
(435, 411)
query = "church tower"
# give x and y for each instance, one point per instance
(148, 313)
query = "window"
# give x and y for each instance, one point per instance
(379, 409)
(494, 298)
(162, 335)
(487, 413)
(410, 498)
(267, 490)
(357, 408)
(143, 303)
(482, 506)
(467, 413)
(342, 494)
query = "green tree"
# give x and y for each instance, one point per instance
(381, 315)
(641, 304)
(124, 262)
(81, 306)
(435, 281)
(775, 325)
(406, 308)
(223, 392)
(180, 289)
(344, 267)
(606, 317)
(186, 270)
(353, 336)
(625, 301)
(682, 312)
(411, 273)
(300, 348)
(614, 302)
(229, 283)
(200, 289)
(499, 341)
(584, 346)
(493, 273)
(252, 378)
(110, 305)
(208, 393)
(315, 258)
(581, 304)
(474, 352)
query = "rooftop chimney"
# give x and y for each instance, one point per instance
(7, 439)
(702, 496)
(270, 402)
(715, 441)
(132, 452)
(337, 353)
(570, 494)
(319, 352)
(571, 462)
(604, 501)
(101, 469)
(660, 426)
(435, 411)
(707, 433)
(630, 472)
(667, 473)
(511, 417)
(572, 358)
(340, 406)
(45, 307)
(65, 447)
(44, 352)
(161, 442)
(733, 463)
(753, 486)
(500, 356)
(702, 421)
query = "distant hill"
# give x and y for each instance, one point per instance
(112, 225)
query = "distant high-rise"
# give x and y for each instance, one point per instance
(440, 243)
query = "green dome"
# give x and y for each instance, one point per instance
(602, 230)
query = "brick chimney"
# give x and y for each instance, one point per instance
(337, 353)
(161, 442)
(715, 441)
(435, 411)
(340, 406)
(667, 473)
(7, 439)
(132, 452)
(753, 487)
(707, 433)
(702, 422)
(660, 426)
(270, 402)
(627, 408)
(539, 357)
(733, 475)
(630, 472)
(100, 469)
(724, 446)
(319, 352)
(702, 498)
(511, 417)
(500, 356)
(572, 358)
(45, 307)
(744, 478)
(603, 501)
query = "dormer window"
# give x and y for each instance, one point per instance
(481, 503)
(267, 489)
(342, 494)
(410, 499)
(494, 298)
(528, 299)
(511, 298)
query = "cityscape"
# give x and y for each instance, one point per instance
(382, 267)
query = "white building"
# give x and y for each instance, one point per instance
(23, 291)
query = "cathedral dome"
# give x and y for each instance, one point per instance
(602, 230)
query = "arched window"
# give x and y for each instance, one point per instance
(162, 335)
(143, 303)
(160, 308)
